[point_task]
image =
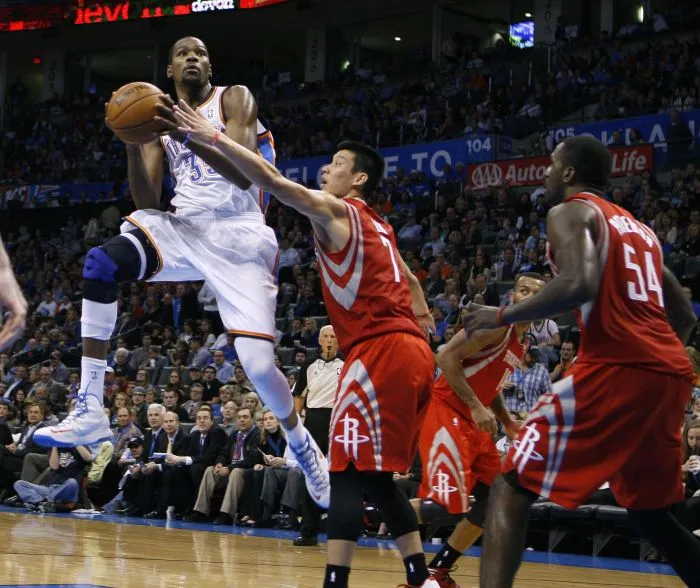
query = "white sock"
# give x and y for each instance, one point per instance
(297, 436)
(92, 377)
(97, 320)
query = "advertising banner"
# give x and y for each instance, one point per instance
(429, 158)
(529, 171)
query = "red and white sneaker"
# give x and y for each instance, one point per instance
(443, 578)
(429, 583)
(86, 425)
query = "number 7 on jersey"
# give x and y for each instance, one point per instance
(384, 237)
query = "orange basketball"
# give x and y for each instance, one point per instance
(131, 110)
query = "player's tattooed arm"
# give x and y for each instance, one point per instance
(449, 360)
(678, 308)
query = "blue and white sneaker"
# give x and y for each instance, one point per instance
(86, 425)
(315, 467)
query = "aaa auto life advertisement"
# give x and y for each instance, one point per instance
(529, 171)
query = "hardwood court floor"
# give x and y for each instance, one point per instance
(61, 550)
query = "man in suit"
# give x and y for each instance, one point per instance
(175, 441)
(489, 292)
(187, 469)
(239, 454)
(12, 454)
(20, 382)
(136, 488)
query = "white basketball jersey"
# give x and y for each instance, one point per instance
(198, 188)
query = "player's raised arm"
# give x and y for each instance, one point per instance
(450, 359)
(316, 204)
(569, 227)
(680, 312)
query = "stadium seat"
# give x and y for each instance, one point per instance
(286, 355)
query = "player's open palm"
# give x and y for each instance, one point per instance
(477, 317)
(12, 300)
(192, 124)
(484, 419)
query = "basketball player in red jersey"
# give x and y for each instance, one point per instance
(375, 304)
(11, 301)
(456, 444)
(616, 416)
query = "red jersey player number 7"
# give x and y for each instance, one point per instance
(379, 314)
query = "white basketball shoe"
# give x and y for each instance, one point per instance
(87, 424)
(315, 467)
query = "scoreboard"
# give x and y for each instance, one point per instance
(25, 17)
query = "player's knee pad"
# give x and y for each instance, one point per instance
(477, 513)
(345, 515)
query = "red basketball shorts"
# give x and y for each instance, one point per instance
(382, 396)
(605, 423)
(455, 455)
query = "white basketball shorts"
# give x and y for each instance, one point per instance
(235, 255)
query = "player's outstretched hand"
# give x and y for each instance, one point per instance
(12, 299)
(477, 317)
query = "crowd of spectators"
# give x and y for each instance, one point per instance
(173, 367)
(64, 139)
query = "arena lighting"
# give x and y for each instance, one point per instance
(38, 16)
(397, 39)
(528, 15)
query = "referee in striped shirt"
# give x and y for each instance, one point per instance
(315, 389)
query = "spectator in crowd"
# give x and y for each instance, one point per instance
(199, 356)
(186, 471)
(546, 336)
(192, 405)
(138, 398)
(61, 487)
(211, 386)
(177, 442)
(568, 358)
(239, 454)
(124, 431)
(229, 420)
(526, 384)
(224, 370)
(171, 402)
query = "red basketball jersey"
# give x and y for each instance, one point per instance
(485, 372)
(627, 323)
(364, 288)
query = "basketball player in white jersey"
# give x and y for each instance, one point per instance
(217, 234)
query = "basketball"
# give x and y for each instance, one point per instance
(131, 110)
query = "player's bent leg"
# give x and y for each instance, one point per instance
(678, 545)
(345, 525)
(401, 519)
(125, 257)
(505, 531)
(257, 358)
(465, 534)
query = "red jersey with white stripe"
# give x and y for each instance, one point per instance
(485, 372)
(626, 323)
(364, 288)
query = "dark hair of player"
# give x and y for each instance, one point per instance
(367, 160)
(531, 275)
(590, 159)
